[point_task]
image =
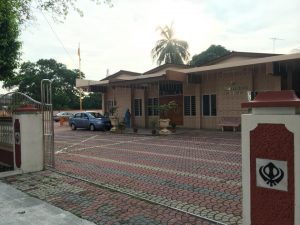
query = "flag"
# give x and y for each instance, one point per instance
(78, 51)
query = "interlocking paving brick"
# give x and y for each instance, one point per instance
(90, 202)
(198, 173)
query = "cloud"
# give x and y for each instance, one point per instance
(122, 37)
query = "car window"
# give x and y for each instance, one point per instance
(96, 114)
(85, 116)
(78, 115)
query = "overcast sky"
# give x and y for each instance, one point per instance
(122, 37)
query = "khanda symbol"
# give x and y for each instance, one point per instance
(271, 174)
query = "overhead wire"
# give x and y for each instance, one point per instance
(58, 38)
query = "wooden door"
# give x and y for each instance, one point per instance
(176, 115)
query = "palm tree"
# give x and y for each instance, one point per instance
(169, 49)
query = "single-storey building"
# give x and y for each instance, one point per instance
(204, 94)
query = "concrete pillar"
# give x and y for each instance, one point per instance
(104, 100)
(271, 160)
(28, 139)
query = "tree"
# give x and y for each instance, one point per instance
(28, 81)
(169, 49)
(213, 52)
(92, 101)
(58, 8)
(9, 44)
(14, 13)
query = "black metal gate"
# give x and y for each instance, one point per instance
(6, 142)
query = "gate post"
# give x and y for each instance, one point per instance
(271, 159)
(28, 139)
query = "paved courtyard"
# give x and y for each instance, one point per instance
(142, 179)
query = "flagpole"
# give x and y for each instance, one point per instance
(80, 90)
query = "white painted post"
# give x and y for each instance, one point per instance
(30, 139)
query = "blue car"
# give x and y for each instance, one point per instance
(90, 120)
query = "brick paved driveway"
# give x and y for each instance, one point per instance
(188, 174)
(196, 172)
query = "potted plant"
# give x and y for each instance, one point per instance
(113, 111)
(173, 126)
(153, 124)
(135, 129)
(121, 126)
(164, 122)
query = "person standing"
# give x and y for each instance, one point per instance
(127, 118)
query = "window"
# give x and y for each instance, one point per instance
(84, 116)
(138, 107)
(209, 105)
(189, 105)
(170, 88)
(152, 106)
(77, 115)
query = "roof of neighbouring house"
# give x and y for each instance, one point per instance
(165, 67)
(121, 72)
(242, 55)
(161, 72)
(248, 62)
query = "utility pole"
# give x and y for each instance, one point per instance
(274, 40)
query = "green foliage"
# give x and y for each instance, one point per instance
(28, 81)
(213, 52)
(113, 111)
(59, 9)
(169, 49)
(121, 126)
(14, 13)
(9, 44)
(92, 101)
(173, 124)
(153, 123)
(165, 108)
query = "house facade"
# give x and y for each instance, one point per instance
(204, 95)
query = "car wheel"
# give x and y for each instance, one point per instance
(92, 127)
(73, 127)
